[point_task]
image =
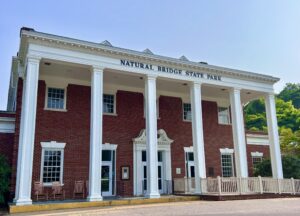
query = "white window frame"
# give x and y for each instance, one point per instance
(65, 99)
(227, 151)
(52, 146)
(186, 120)
(228, 116)
(256, 155)
(115, 103)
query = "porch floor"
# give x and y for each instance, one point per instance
(107, 201)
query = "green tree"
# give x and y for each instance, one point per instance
(4, 178)
(287, 115)
(290, 142)
(291, 92)
(290, 165)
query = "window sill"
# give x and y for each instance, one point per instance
(185, 120)
(110, 114)
(50, 184)
(58, 110)
(229, 124)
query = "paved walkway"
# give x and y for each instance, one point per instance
(274, 207)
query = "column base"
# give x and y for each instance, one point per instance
(95, 198)
(20, 202)
(153, 196)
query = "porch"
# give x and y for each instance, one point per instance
(222, 186)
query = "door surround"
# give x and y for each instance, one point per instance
(139, 145)
(112, 165)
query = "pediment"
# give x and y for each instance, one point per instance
(162, 138)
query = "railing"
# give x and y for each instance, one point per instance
(238, 186)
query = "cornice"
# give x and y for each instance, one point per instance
(131, 54)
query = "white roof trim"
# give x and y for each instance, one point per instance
(7, 125)
(141, 55)
(53, 145)
(257, 139)
(226, 151)
(188, 149)
(257, 154)
(108, 146)
(162, 139)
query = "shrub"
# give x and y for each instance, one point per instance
(4, 178)
(290, 166)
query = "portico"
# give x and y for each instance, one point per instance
(105, 68)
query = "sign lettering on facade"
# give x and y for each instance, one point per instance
(164, 69)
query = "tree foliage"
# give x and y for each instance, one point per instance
(290, 166)
(4, 178)
(287, 115)
(291, 92)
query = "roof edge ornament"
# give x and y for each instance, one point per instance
(106, 43)
(183, 58)
(24, 28)
(148, 51)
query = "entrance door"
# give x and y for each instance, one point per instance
(190, 172)
(106, 178)
(160, 174)
(108, 173)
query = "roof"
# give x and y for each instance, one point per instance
(106, 46)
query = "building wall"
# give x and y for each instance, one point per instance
(7, 140)
(73, 126)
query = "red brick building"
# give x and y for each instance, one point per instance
(154, 118)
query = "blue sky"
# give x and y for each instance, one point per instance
(259, 35)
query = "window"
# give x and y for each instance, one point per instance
(227, 165)
(256, 160)
(223, 115)
(55, 98)
(108, 103)
(52, 162)
(187, 111)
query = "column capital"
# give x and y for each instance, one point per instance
(196, 83)
(151, 76)
(235, 89)
(33, 58)
(270, 95)
(97, 68)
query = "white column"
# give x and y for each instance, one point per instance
(151, 133)
(273, 136)
(96, 135)
(198, 140)
(27, 133)
(238, 130)
(138, 180)
(167, 170)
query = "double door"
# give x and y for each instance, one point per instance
(160, 173)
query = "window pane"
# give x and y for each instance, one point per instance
(52, 166)
(187, 114)
(55, 98)
(256, 160)
(190, 156)
(159, 156)
(106, 155)
(108, 103)
(144, 156)
(223, 115)
(227, 165)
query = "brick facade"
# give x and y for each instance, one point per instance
(7, 140)
(72, 127)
